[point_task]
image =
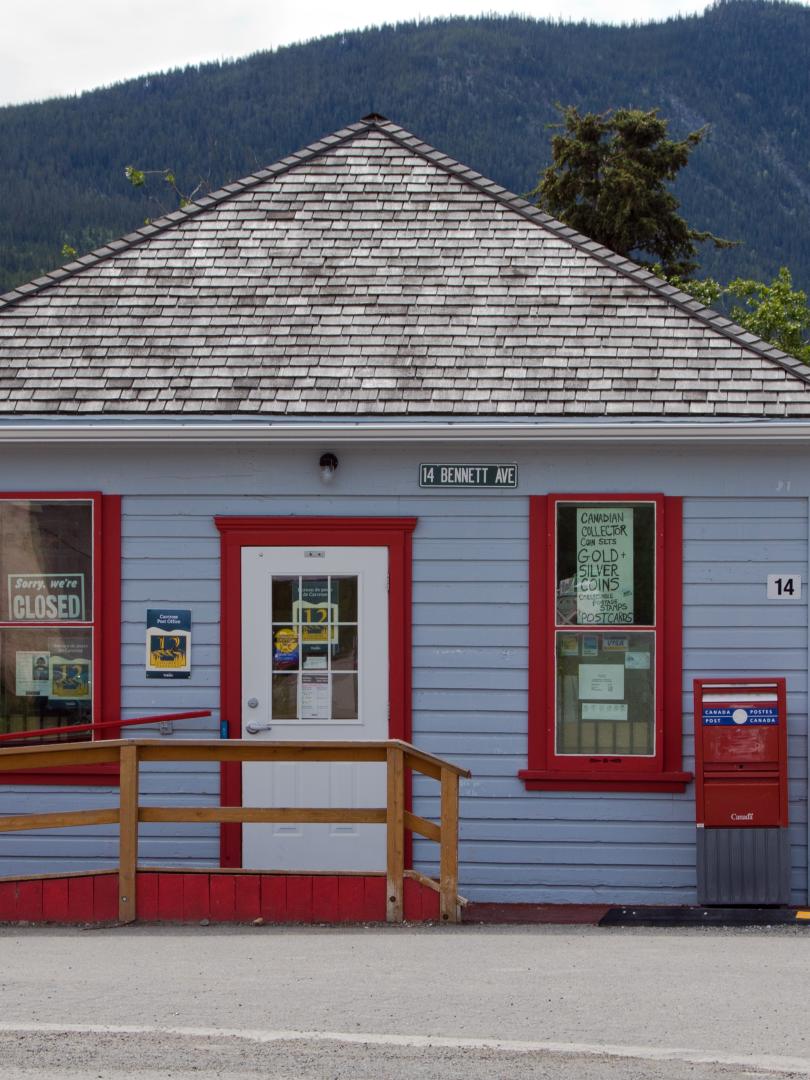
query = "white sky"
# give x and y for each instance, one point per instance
(54, 47)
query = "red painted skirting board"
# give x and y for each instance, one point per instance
(219, 897)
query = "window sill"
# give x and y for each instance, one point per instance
(68, 775)
(544, 780)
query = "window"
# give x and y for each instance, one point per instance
(605, 643)
(315, 654)
(59, 617)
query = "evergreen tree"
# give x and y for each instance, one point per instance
(608, 179)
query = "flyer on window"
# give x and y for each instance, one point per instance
(70, 678)
(601, 681)
(315, 701)
(33, 673)
(605, 582)
(315, 613)
(168, 644)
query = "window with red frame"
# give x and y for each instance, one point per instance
(605, 643)
(53, 566)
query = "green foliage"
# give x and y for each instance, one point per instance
(608, 179)
(777, 313)
(706, 291)
(479, 89)
(137, 177)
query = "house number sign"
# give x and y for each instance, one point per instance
(784, 587)
(468, 476)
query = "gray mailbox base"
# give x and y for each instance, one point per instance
(743, 866)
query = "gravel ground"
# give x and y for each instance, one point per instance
(110, 1057)
(222, 1001)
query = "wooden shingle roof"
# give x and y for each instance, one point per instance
(371, 275)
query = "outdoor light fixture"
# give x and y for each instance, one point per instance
(328, 466)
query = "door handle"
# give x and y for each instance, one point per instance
(252, 728)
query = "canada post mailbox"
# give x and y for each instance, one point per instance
(741, 791)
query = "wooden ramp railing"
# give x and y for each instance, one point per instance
(399, 757)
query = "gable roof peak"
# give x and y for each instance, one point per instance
(406, 139)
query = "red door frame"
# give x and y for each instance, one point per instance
(238, 532)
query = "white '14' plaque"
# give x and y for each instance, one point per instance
(784, 587)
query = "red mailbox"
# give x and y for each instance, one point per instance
(743, 843)
(741, 753)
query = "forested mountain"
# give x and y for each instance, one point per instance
(482, 90)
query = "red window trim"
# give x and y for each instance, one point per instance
(547, 771)
(237, 532)
(107, 629)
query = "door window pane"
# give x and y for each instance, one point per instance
(344, 650)
(605, 564)
(46, 679)
(344, 697)
(285, 592)
(315, 656)
(311, 641)
(46, 555)
(344, 595)
(605, 692)
(285, 697)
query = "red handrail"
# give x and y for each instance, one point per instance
(37, 733)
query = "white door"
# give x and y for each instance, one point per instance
(314, 667)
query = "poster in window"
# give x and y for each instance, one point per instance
(590, 645)
(46, 597)
(315, 702)
(70, 678)
(601, 682)
(314, 612)
(604, 575)
(33, 673)
(569, 645)
(285, 648)
(604, 710)
(637, 660)
(168, 644)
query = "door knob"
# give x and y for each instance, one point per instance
(253, 728)
(253, 703)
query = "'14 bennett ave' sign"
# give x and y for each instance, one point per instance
(467, 476)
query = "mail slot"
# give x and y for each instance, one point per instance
(741, 790)
(732, 804)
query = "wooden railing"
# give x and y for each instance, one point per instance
(399, 757)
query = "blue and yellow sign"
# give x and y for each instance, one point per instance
(168, 644)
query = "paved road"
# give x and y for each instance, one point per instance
(371, 1003)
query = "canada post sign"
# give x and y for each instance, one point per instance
(737, 716)
(468, 476)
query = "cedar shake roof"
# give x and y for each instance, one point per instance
(371, 275)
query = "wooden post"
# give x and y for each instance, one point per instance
(128, 835)
(395, 835)
(448, 870)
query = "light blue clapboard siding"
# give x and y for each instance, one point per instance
(470, 638)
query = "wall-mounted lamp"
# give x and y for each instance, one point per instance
(328, 466)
